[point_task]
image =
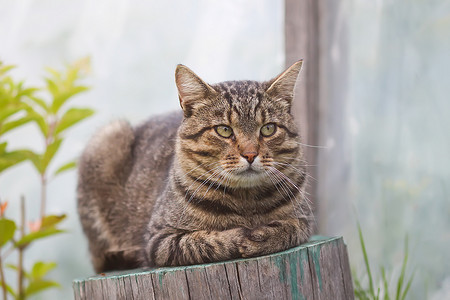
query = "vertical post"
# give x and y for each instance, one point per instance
(316, 30)
(302, 39)
(333, 168)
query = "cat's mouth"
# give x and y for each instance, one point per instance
(251, 173)
(250, 170)
(248, 178)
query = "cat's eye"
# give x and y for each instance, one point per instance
(224, 131)
(268, 129)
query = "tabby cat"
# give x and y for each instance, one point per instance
(222, 179)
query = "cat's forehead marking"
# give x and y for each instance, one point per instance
(243, 97)
(239, 90)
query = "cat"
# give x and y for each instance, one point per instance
(222, 179)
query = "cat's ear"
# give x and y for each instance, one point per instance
(192, 91)
(282, 87)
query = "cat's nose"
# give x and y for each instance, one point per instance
(249, 156)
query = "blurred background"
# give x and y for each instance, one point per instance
(383, 109)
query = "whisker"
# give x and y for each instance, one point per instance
(274, 183)
(298, 211)
(290, 165)
(211, 184)
(298, 159)
(307, 201)
(312, 146)
(280, 181)
(222, 179)
(204, 182)
(297, 170)
(203, 164)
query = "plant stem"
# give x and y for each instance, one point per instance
(43, 195)
(2, 278)
(21, 249)
(48, 140)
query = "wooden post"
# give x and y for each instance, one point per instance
(302, 41)
(316, 270)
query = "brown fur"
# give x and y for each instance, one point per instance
(173, 191)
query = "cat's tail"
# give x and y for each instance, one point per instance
(103, 170)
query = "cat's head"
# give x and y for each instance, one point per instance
(237, 133)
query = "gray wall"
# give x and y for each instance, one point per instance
(386, 132)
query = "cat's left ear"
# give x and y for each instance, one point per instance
(282, 87)
(192, 90)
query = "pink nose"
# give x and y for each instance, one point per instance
(249, 156)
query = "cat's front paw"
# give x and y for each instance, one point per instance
(261, 240)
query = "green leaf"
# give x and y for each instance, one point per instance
(39, 102)
(7, 229)
(50, 153)
(31, 237)
(36, 159)
(51, 221)
(5, 69)
(3, 147)
(9, 159)
(62, 97)
(15, 268)
(66, 167)
(25, 92)
(71, 117)
(40, 121)
(56, 74)
(10, 109)
(72, 75)
(41, 162)
(11, 291)
(12, 267)
(52, 87)
(39, 285)
(40, 269)
(14, 124)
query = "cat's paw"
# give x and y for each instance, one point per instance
(260, 241)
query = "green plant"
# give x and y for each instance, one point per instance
(383, 291)
(18, 107)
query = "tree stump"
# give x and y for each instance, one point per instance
(318, 269)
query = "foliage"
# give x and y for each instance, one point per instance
(383, 291)
(19, 106)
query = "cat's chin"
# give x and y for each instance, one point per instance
(248, 179)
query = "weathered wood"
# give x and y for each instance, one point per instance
(316, 270)
(302, 41)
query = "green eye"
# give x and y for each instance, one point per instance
(224, 131)
(268, 129)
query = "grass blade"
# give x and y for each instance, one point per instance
(386, 284)
(366, 260)
(408, 285)
(402, 273)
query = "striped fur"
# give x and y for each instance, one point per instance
(173, 191)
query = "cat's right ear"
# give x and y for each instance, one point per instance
(192, 91)
(282, 87)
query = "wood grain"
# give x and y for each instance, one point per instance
(316, 270)
(302, 41)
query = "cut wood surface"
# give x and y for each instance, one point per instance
(318, 269)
